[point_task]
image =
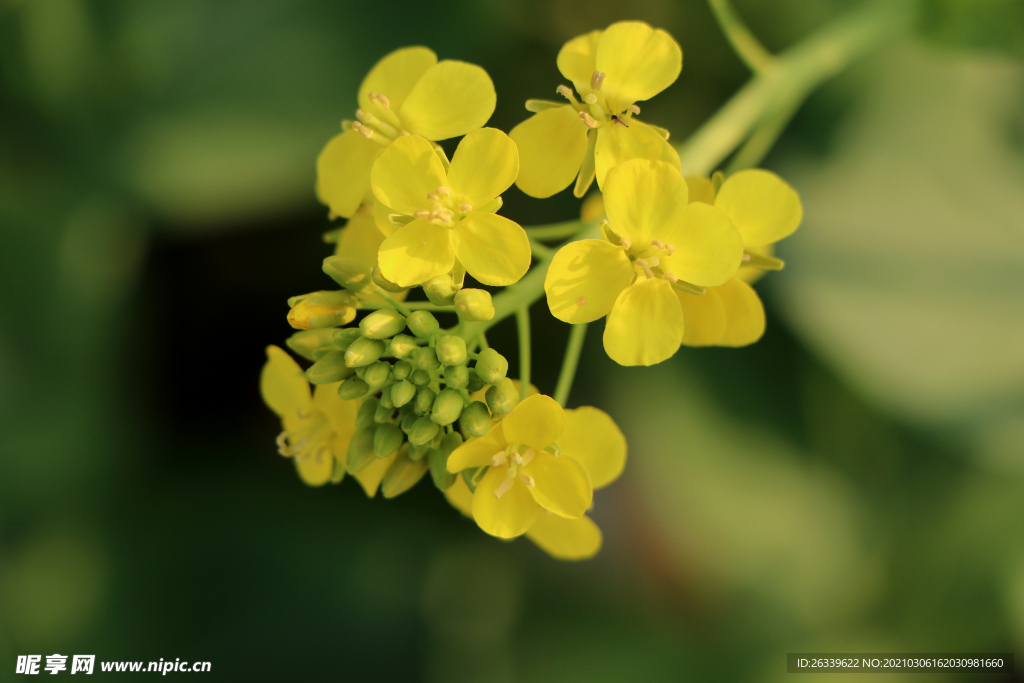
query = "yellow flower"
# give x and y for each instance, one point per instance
(407, 92)
(451, 213)
(657, 243)
(358, 244)
(764, 209)
(593, 440)
(611, 70)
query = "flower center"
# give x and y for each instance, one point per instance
(378, 125)
(443, 209)
(308, 440)
(595, 110)
(512, 458)
(647, 261)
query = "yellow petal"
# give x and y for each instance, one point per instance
(762, 206)
(406, 172)
(343, 172)
(616, 144)
(360, 239)
(708, 247)
(577, 60)
(477, 452)
(561, 484)
(284, 385)
(494, 250)
(566, 539)
(460, 497)
(537, 421)
(551, 146)
(644, 200)
(594, 440)
(584, 279)
(646, 324)
(369, 477)
(381, 211)
(638, 62)
(701, 189)
(484, 165)
(508, 516)
(416, 252)
(395, 76)
(316, 470)
(451, 99)
(341, 413)
(744, 313)
(704, 317)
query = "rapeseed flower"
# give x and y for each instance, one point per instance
(407, 92)
(764, 209)
(449, 214)
(655, 244)
(592, 439)
(612, 70)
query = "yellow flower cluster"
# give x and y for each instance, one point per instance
(397, 396)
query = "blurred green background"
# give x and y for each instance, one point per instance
(854, 482)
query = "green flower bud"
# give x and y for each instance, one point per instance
(383, 414)
(502, 397)
(476, 419)
(420, 378)
(382, 324)
(451, 350)
(423, 431)
(475, 383)
(491, 366)
(441, 290)
(384, 283)
(423, 324)
(387, 440)
(408, 420)
(330, 368)
(364, 418)
(402, 345)
(363, 351)
(438, 461)
(402, 369)
(457, 376)
(344, 338)
(361, 371)
(426, 359)
(353, 388)
(349, 273)
(474, 304)
(473, 476)
(313, 344)
(447, 407)
(424, 400)
(377, 374)
(402, 392)
(403, 474)
(419, 452)
(360, 449)
(321, 309)
(386, 399)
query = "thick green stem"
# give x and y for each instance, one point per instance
(569, 364)
(748, 47)
(408, 305)
(523, 323)
(554, 231)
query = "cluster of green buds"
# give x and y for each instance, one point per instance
(414, 382)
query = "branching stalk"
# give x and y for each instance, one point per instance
(572, 359)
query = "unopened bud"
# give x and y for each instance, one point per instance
(366, 413)
(363, 351)
(423, 431)
(408, 420)
(383, 413)
(502, 397)
(424, 400)
(451, 350)
(387, 440)
(313, 344)
(384, 283)
(438, 461)
(349, 273)
(491, 366)
(475, 383)
(474, 304)
(403, 474)
(402, 392)
(420, 378)
(321, 309)
(344, 338)
(476, 419)
(441, 290)
(456, 376)
(419, 452)
(330, 368)
(402, 369)
(423, 324)
(377, 374)
(425, 358)
(382, 324)
(360, 449)
(353, 388)
(402, 345)
(447, 407)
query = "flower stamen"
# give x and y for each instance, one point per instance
(596, 79)
(498, 459)
(587, 119)
(633, 109)
(591, 98)
(528, 480)
(505, 485)
(465, 208)
(528, 456)
(441, 189)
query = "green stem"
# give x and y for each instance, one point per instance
(523, 324)
(569, 364)
(747, 46)
(540, 251)
(407, 305)
(394, 303)
(555, 231)
(763, 139)
(796, 72)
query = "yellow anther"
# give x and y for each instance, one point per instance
(658, 243)
(362, 130)
(363, 116)
(528, 456)
(671, 278)
(465, 208)
(517, 459)
(433, 197)
(633, 109)
(441, 189)
(591, 98)
(649, 273)
(564, 92)
(582, 301)
(596, 79)
(588, 119)
(503, 487)
(626, 244)
(642, 262)
(422, 213)
(380, 99)
(528, 480)
(746, 258)
(498, 459)
(670, 248)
